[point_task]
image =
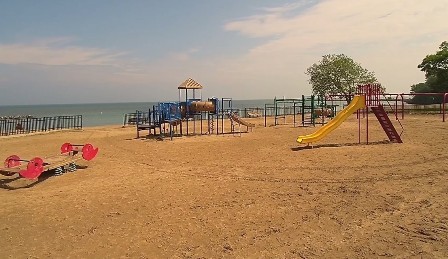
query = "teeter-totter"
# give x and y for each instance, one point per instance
(64, 162)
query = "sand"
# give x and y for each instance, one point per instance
(257, 195)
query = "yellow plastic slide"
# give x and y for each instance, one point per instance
(358, 102)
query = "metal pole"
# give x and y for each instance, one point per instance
(186, 107)
(396, 107)
(444, 100)
(275, 112)
(402, 106)
(367, 125)
(303, 110)
(359, 126)
(294, 110)
(265, 112)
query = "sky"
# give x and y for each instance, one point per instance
(98, 51)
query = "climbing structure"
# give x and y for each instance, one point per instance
(190, 112)
(357, 103)
(373, 94)
(367, 98)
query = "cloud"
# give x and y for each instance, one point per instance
(56, 52)
(286, 8)
(184, 55)
(388, 37)
(274, 22)
(361, 21)
(58, 71)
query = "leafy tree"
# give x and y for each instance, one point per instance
(435, 67)
(432, 64)
(338, 74)
(421, 99)
(420, 88)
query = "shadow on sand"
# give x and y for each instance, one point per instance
(167, 137)
(383, 142)
(23, 183)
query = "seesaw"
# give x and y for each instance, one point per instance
(64, 162)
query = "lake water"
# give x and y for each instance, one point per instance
(98, 114)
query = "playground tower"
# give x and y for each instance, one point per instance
(189, 111)
(373, 94)
(367, 98)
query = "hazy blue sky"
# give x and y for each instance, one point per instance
(124, 51)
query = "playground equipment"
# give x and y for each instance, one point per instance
(368, 97)
(312, 109)
(442, 96)
(358, 102)
(170, 118)
(284, 107)
(307, 110)
(64, 162)
(237, 120)
(324, 112)
(315, 110)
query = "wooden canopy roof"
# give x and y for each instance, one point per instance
(190, 84)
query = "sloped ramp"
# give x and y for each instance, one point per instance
(237, 119)
(357, 103)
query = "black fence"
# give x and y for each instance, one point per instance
(131, 118)
(14, 126)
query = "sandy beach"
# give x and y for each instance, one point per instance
(258, 195)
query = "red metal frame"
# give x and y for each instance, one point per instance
(373, 93)
(443, 108)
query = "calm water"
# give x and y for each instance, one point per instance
(101, 113)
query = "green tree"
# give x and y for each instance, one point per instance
(435, 67)
(421, 99)
(420, 88)
(338, 74)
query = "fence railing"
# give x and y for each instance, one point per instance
(270, 110)
(14, 126)
(131, 118)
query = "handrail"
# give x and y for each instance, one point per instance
(396, 117)
(443, 106)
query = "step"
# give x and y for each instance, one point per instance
(386, 124)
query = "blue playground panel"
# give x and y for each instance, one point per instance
(170, 111)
